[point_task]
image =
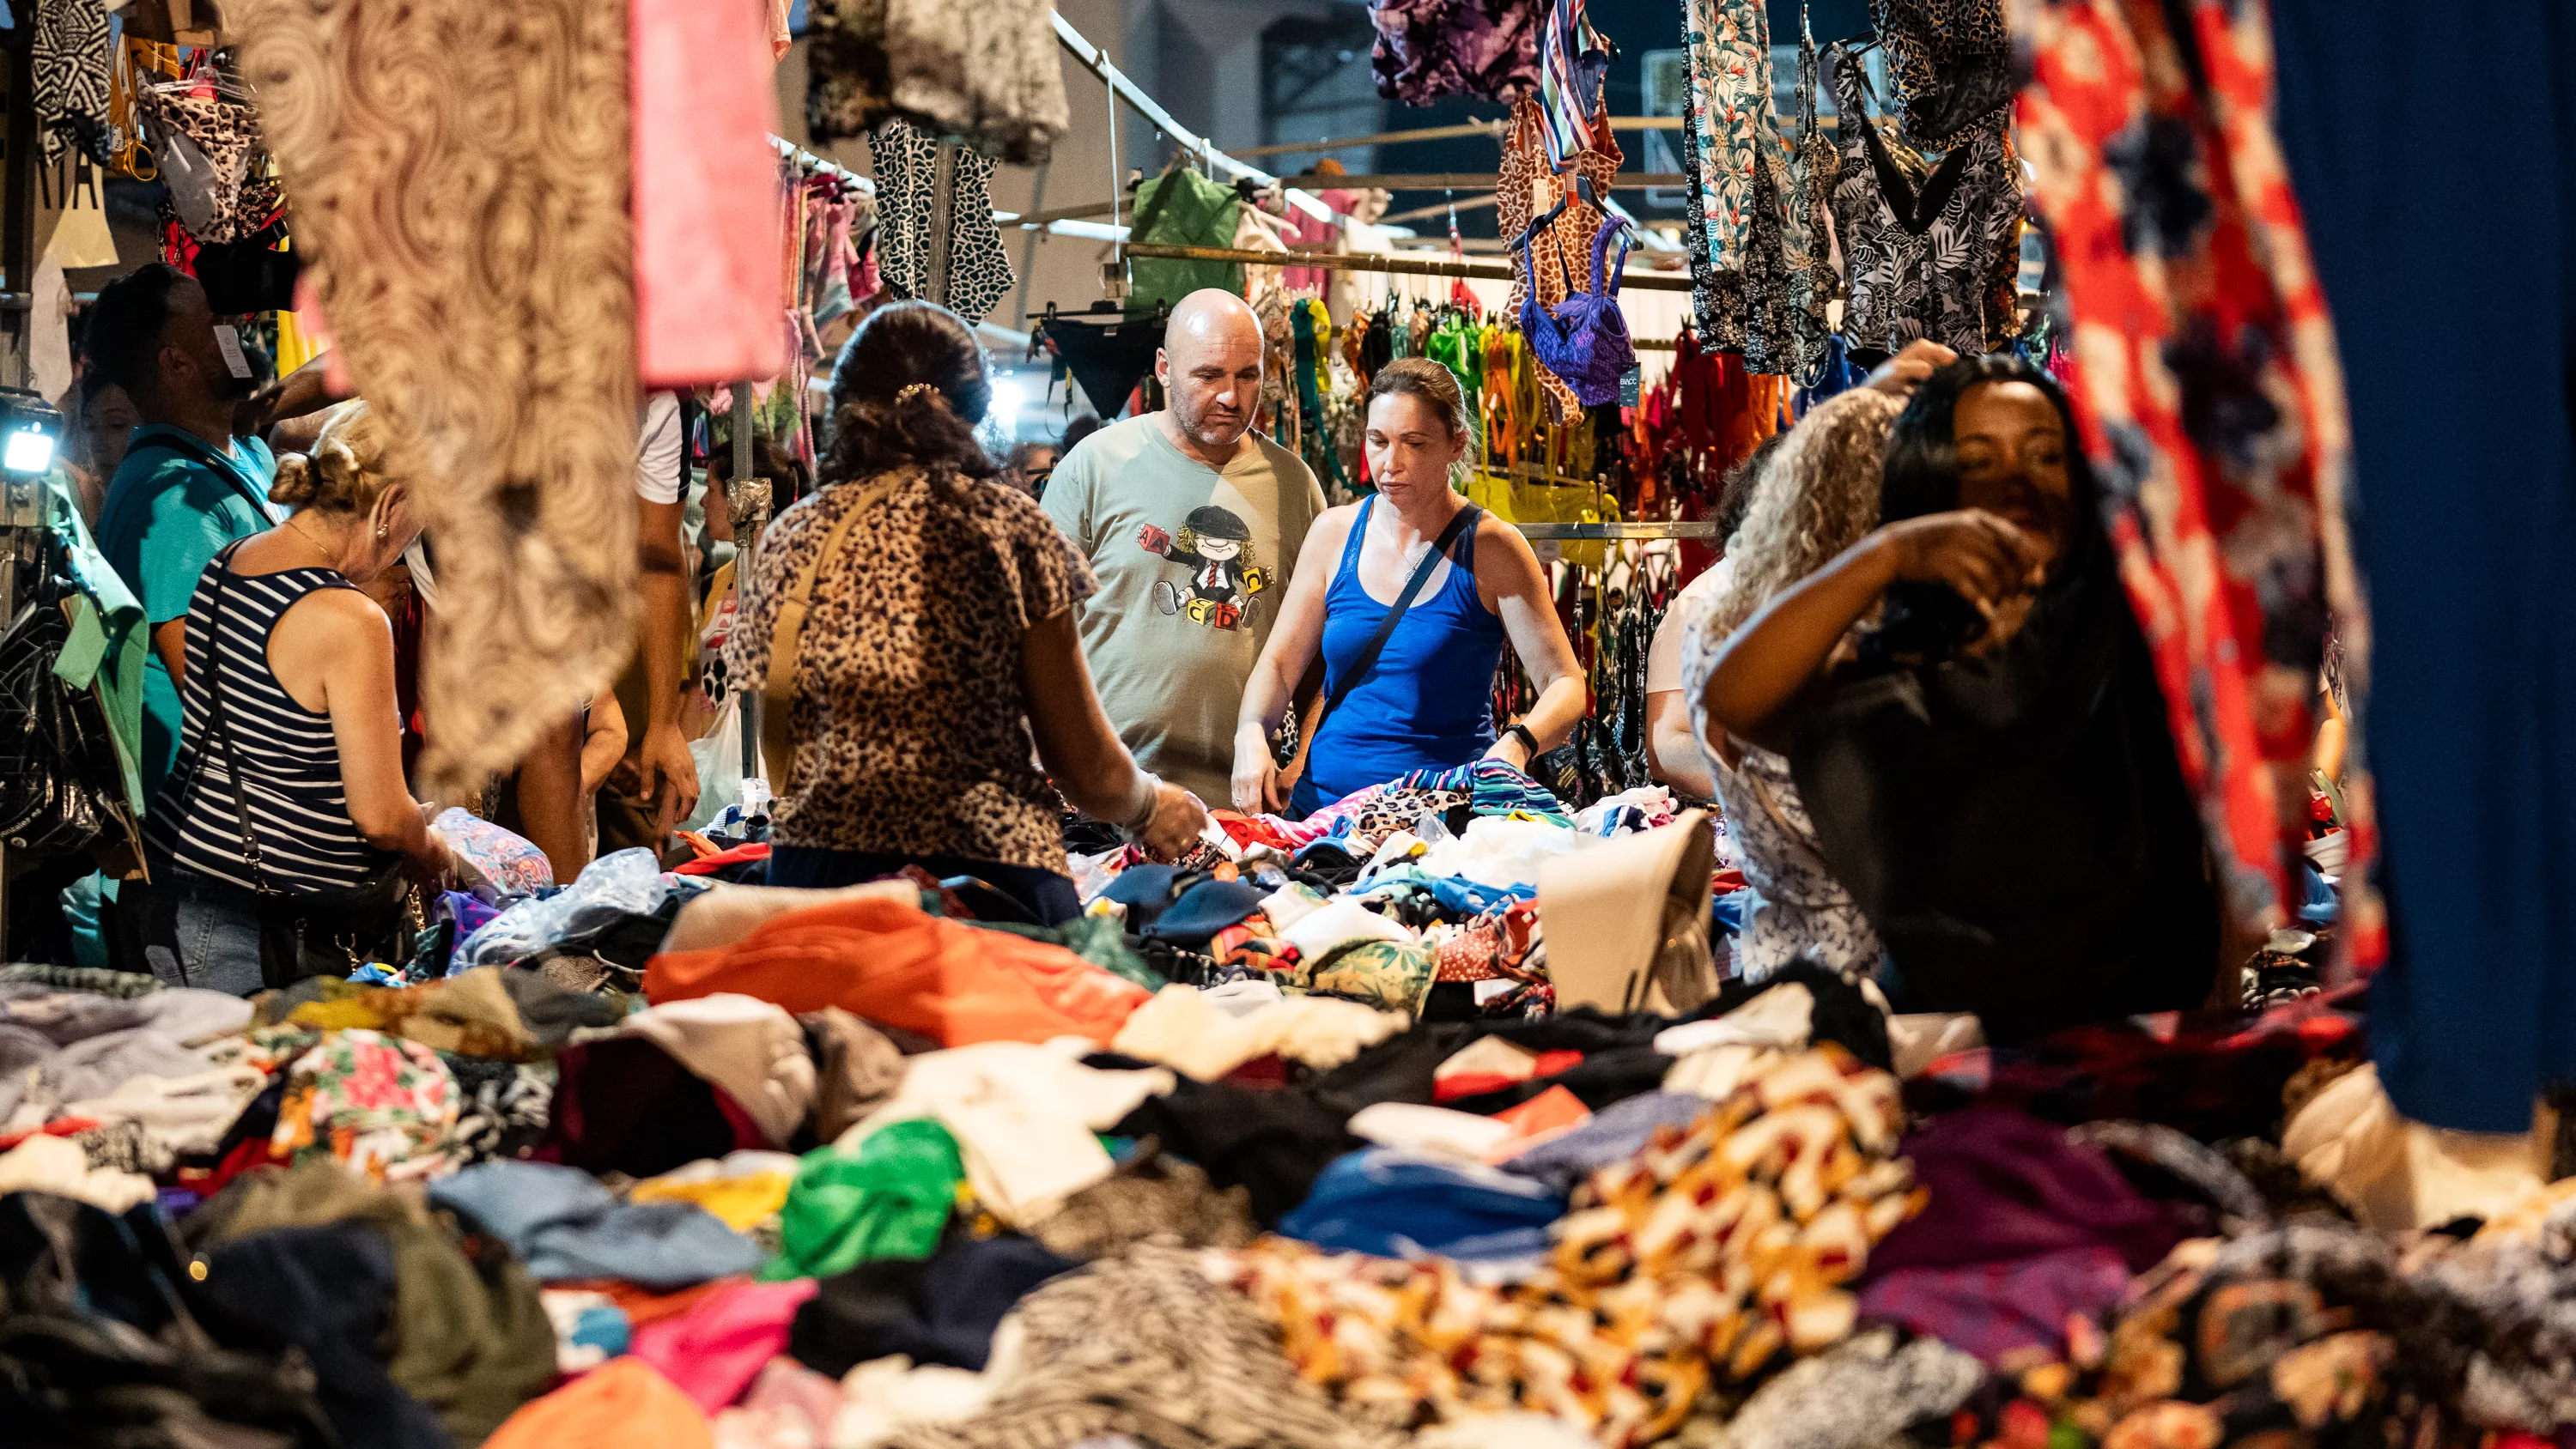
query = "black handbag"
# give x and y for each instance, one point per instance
(301, 933)
(61, 788)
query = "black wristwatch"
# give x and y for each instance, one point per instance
(1529, 742)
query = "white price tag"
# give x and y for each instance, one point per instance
(228, 342)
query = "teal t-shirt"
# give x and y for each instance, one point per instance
(173, 505)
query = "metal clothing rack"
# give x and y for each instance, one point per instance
(1375, 262)
(1614, 532)
(1098, 63)
(789, 150)
(1467, 181)
(1494, 129)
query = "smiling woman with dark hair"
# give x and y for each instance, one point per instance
(1973, 720)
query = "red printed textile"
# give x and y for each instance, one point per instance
(2205, 388)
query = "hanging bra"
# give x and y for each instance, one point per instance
(1583, 339)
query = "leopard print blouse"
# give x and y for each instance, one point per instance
(909, 714)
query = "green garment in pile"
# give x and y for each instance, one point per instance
(889, 1199)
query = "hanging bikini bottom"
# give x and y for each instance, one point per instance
(1107, 358)
(245, 276)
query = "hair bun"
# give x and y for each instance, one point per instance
(296, 484)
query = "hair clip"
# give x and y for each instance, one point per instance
(910, 388)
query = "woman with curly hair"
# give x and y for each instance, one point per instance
(914, 622)
(1814, 497)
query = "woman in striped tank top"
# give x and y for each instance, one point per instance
(289, 780)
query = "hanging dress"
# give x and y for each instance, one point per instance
(988, 72)
(1815, 284)
(1922, 259)
(1728, 48)
(1950, 72)
(2209, 372)
(1430, 49)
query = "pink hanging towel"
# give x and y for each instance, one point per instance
(707, 289)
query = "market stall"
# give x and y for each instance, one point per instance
(1444, 1114)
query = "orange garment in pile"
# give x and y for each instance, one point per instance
(900, 966)
(624, 1404)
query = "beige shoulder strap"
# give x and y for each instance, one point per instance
(1771, 807)
(787, 632)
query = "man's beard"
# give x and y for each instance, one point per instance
(1213, 431)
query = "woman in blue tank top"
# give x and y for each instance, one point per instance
(1425, 700)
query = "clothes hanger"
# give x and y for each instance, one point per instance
(1582, 187)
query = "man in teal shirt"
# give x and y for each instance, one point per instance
(190, 483)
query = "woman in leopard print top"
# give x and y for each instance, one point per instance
(938, 668)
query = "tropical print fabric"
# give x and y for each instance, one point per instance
(2208, 392)
(379, 1104)
(1729, 45)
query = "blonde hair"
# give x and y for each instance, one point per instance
(1817, 496)
(345, 472)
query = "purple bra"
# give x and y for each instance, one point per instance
(1583, 339)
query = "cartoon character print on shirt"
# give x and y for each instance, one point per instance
(1217, 547)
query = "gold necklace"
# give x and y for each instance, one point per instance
(310, 542)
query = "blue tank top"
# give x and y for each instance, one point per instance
(1429, 703)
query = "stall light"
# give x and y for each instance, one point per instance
(1004, 409)
(31, 425)
(29, 453)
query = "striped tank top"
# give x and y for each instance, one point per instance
(288, 758)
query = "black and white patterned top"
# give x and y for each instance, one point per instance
(906, 162)
(910, 718)
(71, 78)
(1921, 259)
(288, 757)
(1799, 910)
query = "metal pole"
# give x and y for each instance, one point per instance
(1096, 61)
(18, 179)
(1372, 262)
(1029, 253)
(18, 260)
(1117, 172)
(943, 215)
(748, 500)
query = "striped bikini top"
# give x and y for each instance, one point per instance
(288, 759)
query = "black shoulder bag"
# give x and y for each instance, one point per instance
(1365, 663)
(301, 933)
